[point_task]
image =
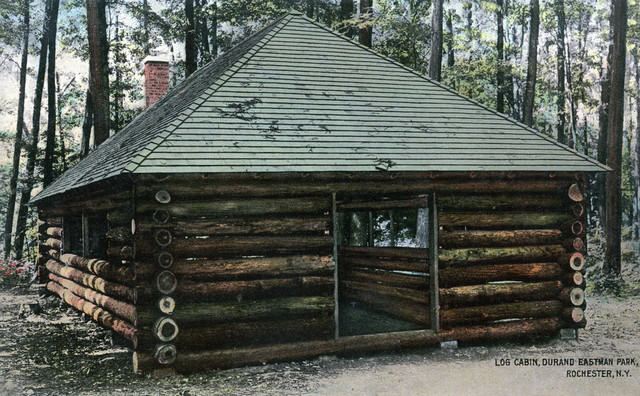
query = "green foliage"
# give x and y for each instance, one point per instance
(403, 31)
(11, 22)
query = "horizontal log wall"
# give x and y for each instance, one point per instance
(107, 290)
(231, 272)
(393, 281)
(222, 267)
(511, 256)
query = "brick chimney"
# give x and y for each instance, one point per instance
(156, 80)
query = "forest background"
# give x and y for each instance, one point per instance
(72, 76)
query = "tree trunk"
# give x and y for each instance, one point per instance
(87, 124)
(98, 68)
(572, 100)
(63, 150)
(603, 121)
(204, 31)
(532, 64)
(560, 103)
(366, 31)
(635, 159)
(32, 152)
(450, 41)
(145, 27)
(47, 166)
(435, 59)
(214, 30)
(346, 13)
(500, 60)
(17, 146)
(190, 48)
(612, 264)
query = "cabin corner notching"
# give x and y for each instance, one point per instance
(212, 235)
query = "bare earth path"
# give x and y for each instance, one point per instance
(56, 352)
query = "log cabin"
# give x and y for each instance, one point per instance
(303, 195)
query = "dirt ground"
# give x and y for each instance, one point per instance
(57, 352)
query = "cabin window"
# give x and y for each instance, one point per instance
(96, 225)
(85, 235)
(383, 264)
(72, 241)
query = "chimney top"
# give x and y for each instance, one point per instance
(156, 79)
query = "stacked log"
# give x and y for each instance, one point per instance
(393, 281)
(572, 262)
(511, 259)
(236, 271)
(50, 237)
(229, 273)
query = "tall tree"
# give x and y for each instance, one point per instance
(213, 32)
(145, 26)
(603, 123)
(500, 54)
(190, 48)
(32, 151)
(366, 26)
(532, 64)
(98, 68)
(613, 230)
(47, 166)
(17, 146)
(346, 13)
(202, 27)
(346, 9)
(561, 99)
(87, 124)
(435, 59)
(635, 156)
(450, 40)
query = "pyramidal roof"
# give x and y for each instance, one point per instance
(298, 97)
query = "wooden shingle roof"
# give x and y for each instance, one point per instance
(298, 97)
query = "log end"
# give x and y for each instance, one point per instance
(575, 193)
(165, 329)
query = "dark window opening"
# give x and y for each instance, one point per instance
(73, 235)
(97, 235)
(86, 235)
